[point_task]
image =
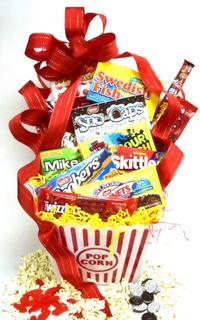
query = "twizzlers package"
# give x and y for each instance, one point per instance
(94, 223)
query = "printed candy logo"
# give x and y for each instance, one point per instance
(89, 121)
(60, 164)
(121, 111)
(97, 259)
(97, 115)
(136, 162)
(48, 207)
(75, 179)
(110, 86)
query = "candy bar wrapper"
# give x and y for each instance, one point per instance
(58, 160)
(112, 81)
(143, 184)
(95, 120)
(137, 135)
(108, 172)
(82, 173)
(174, 89)
(129, 159)
(57, 203)
(174, 122)
(96, 262)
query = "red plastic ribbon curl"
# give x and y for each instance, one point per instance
(57, 60)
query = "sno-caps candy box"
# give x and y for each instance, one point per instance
(98, 119)
(112, 82)
(137, 135)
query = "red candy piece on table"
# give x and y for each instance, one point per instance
(45, 313)
(72, 301)
(78, 315)
(39, 300)
(61, 308)
(39, 282)
(20, 307)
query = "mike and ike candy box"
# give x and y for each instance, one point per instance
(112, 82)
(137, 135)
(58, 160)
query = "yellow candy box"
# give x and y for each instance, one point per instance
(112, 82)
(143, 184)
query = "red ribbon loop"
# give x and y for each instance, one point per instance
(35, 118)
(33, 96)
(65, 59)
(39, 46)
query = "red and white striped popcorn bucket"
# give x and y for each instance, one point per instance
(97, 263)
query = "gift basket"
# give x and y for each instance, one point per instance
(105, 151)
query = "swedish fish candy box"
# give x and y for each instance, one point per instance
(96, 120)
(113, 82)
(135, 136)
(137, 184)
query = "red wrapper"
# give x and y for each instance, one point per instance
(57, 201)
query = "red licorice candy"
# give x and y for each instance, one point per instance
(57, 201)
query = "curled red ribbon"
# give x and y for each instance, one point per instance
(64, 60)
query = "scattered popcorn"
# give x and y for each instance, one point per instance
(36, 273)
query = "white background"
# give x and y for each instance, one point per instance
(165, 32)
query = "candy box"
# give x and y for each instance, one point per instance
(95, 120)
(82, 173)
(112, 82)
(58, 160)
(136, 135)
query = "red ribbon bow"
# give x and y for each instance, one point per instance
(71, 59)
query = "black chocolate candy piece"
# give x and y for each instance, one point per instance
(149, 316)
(144, 281)
(149, 200)
(147, 297)
(136, 301)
